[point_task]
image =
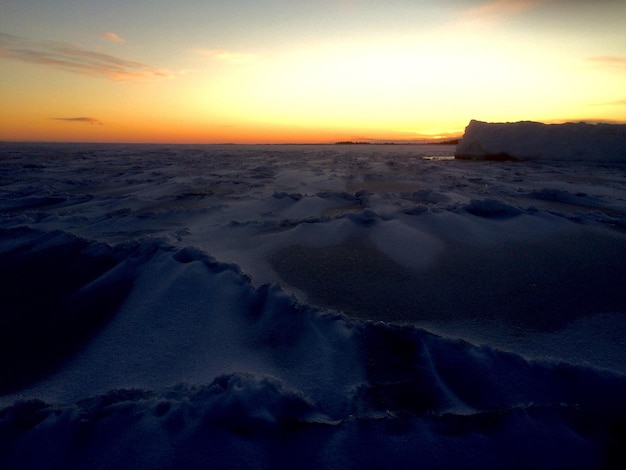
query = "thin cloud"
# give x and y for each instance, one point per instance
(75, 59)
(79, 120)
(112, 37)
(501, 8)
(610, 103)
(237, 58)
(612, 61)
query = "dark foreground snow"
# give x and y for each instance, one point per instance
(309, 306)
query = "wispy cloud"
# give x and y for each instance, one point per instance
(238, 58)
(76, 59)
(612, 61)
(501, 8)
(610, 103)
(112, 37)
(79, 120)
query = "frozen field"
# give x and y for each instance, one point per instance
(331, 306)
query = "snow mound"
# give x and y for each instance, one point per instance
(527, 140)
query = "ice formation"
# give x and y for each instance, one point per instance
(529, 140)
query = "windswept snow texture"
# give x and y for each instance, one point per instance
(529, 140)
(309, 307)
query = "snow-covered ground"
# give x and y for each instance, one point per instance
(320, 306)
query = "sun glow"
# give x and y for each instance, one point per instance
(312, 80)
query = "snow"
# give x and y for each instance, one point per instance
(527, 140)
(319, 306)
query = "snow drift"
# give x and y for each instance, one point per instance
(298, 386)
(529, 140)
(309, 306)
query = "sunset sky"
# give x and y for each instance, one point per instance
(303, 71)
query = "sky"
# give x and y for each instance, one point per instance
(282, 71)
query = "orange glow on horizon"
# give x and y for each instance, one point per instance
(75, 130)
(316, 77)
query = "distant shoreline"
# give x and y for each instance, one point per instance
(7, 142)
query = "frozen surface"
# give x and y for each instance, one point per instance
(309, 306)
(527, 140)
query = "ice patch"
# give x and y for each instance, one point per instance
(491, 208)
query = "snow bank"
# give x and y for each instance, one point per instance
(529, 140)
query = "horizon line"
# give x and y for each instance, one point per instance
(341, 143)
